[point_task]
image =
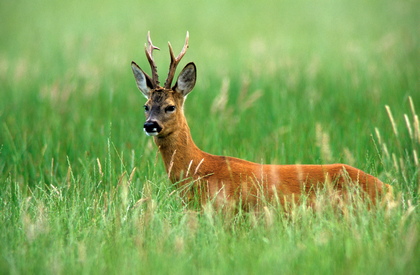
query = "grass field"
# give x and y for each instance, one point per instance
(83, 191)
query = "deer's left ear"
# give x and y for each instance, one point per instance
(144, 82)
(186, 80)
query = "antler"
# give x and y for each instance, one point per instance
(149, 53)
(175, 61)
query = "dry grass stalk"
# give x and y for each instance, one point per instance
(323, 142)
(391, 118)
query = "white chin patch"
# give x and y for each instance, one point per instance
(154, 133)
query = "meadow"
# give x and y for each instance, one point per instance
(84, 191)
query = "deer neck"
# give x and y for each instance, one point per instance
(179, 153)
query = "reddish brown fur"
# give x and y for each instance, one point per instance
(226, 179)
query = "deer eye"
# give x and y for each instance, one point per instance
(170, 109)
(146, 108)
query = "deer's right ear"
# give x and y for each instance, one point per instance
(144, 83)
(186, 79)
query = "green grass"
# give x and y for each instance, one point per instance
(83, 191)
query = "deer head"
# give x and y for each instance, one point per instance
(164, 106)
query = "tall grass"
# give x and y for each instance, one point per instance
(83, 190)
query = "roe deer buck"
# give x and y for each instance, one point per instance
(222, 179)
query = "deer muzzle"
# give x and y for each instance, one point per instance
(152, 128)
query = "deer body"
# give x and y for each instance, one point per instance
(221, 179)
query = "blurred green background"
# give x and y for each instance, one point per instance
(286, 66)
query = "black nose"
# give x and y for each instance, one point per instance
(152, 128)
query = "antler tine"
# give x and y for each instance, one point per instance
(149, 53)
(175, 61)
